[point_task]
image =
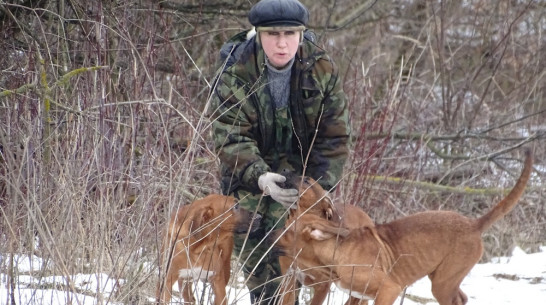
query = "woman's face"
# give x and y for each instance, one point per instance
(280, 46)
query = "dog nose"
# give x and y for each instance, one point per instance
(255, 223)
(257, 220)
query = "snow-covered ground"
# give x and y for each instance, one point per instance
(519, 279)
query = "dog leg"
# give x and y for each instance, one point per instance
(356, 301)
(446, 295)
(287, 290)
(447, 292)
(219, 290)
(218, 284)
(387, 293)
(449, 275)
(288, 284)
(186, 290)
(320, 293)
(226, 270)
(166, 295)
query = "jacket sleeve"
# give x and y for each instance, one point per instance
(330, 142)
(234, 138)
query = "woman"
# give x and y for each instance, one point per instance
(278, 105)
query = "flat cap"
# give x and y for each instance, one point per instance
(275, 13)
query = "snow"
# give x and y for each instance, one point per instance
(518, 279)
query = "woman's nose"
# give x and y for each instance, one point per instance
(281, 42)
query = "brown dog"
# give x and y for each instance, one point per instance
(314, 200)
(378, 262)
(198, 245)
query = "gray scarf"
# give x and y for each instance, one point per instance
(279, 83)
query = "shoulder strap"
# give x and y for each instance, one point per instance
(230, 52)
(232, 49)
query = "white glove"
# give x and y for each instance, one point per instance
(268, 184)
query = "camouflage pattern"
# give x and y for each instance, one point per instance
(251, 137)
(244, 119)
(260, 266)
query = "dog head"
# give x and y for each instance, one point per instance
(214, 212)
(230, 216)
(245, 220)
(295, 239)
(313, 198)
(311, 227)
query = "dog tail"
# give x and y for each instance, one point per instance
(508, 203)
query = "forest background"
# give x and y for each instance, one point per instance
(103, 126)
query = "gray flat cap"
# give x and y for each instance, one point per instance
(271, 13)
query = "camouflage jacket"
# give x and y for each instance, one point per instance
(243, 118)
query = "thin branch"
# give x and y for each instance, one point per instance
(438, 138)
(433, 187)
(352, 16)
(65, 78)
(20, 90)
(514, 121)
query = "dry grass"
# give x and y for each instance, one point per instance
(92, 162)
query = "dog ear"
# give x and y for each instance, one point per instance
(205, 215)
(319, 235)
(200, 218)
(319, 231)
(331, 212)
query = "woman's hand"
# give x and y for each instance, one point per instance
(268, 184)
